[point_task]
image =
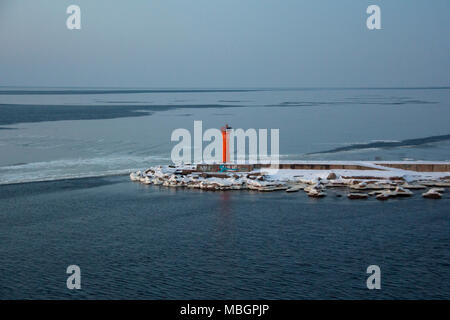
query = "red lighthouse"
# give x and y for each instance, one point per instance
(225, 143)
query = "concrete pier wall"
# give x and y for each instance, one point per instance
(418, 167)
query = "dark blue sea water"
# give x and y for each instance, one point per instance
(133, 241)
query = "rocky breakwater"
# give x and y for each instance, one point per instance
(314, 183)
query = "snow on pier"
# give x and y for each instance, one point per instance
(385, 179)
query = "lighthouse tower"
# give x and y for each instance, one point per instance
(226, 143)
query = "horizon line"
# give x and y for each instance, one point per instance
(262, 88)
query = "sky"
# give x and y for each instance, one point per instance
(224, 43)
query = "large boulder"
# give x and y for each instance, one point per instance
(332, 176)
